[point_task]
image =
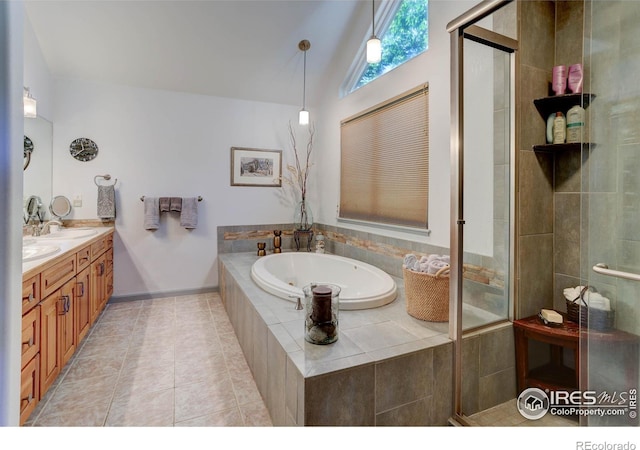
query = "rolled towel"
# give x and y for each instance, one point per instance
(446, 258)
(164, 204)
(189, 213)
(151, 213)
(424, 259)
(409, 261)
(435, 266)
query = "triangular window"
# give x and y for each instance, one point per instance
(403, 28)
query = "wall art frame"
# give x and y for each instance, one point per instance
(256, 167)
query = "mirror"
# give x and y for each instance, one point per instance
(60, 207)
(37, 173)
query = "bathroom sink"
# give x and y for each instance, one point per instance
(35, 251)
(70, 233)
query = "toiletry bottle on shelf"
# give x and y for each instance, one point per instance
(319, 243)
(575, 124)
(559, 129)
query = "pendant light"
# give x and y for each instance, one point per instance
(374, 47)
(303, 116)
(29, 103)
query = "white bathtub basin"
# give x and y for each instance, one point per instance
(362, 285)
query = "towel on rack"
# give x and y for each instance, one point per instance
(106, 202)
(151, 213)
(175, 204)
(189, 213)
(164, 204)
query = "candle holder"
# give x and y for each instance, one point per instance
(277, 241)
(321, 313)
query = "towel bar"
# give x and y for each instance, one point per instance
(199, 198)
(105, 177)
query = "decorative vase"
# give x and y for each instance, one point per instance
(303, 217)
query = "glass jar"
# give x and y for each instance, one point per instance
(319, 243)
(321, 307)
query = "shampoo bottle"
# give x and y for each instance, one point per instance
(559, 129)
(575, 124)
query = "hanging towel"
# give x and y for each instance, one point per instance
(106, 202)
(151, 213)
(189, 213)
(175, 204)
(164, 204)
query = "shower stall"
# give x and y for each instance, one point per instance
(530, 220)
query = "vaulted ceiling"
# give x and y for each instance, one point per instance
(241, 49)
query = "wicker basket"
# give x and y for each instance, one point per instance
(596, 319)
(427, 295)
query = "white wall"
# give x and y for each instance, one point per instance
(432, 67)
(160, 143)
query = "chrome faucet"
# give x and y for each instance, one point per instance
(47, 226)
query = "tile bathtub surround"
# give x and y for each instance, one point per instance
(386, 368)
(384, 252)
(161, 362)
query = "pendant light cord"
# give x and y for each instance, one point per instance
(373, 17)
(304, 80)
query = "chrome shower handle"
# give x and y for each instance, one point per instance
(603, 269)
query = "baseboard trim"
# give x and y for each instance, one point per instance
(163, 294)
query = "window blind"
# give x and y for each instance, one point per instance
(384, 170)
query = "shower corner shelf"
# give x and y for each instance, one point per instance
(550, 105)
(563, 147)
(555, 103)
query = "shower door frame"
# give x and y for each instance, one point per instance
(460, 29)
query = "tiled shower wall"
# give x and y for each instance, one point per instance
(549, 184)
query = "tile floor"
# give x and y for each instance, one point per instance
(507, 415)
(162, 362)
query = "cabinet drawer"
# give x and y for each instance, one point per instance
(56, 276)
(30, 293)
(84, 258)
(98, 248)
(30, 335)
(29, 388)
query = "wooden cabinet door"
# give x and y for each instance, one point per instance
(97, 291)
(30, 335)
(29, 389)
(49, 342)
(66, 316)
(83, 304)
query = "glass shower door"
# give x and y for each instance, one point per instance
(486, 184)
(611, 211)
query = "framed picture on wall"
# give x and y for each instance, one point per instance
(256, 167)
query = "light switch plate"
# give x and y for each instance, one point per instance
(77, 200)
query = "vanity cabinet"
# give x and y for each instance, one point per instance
(59, 305)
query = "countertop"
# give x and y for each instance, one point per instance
(67, 247)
